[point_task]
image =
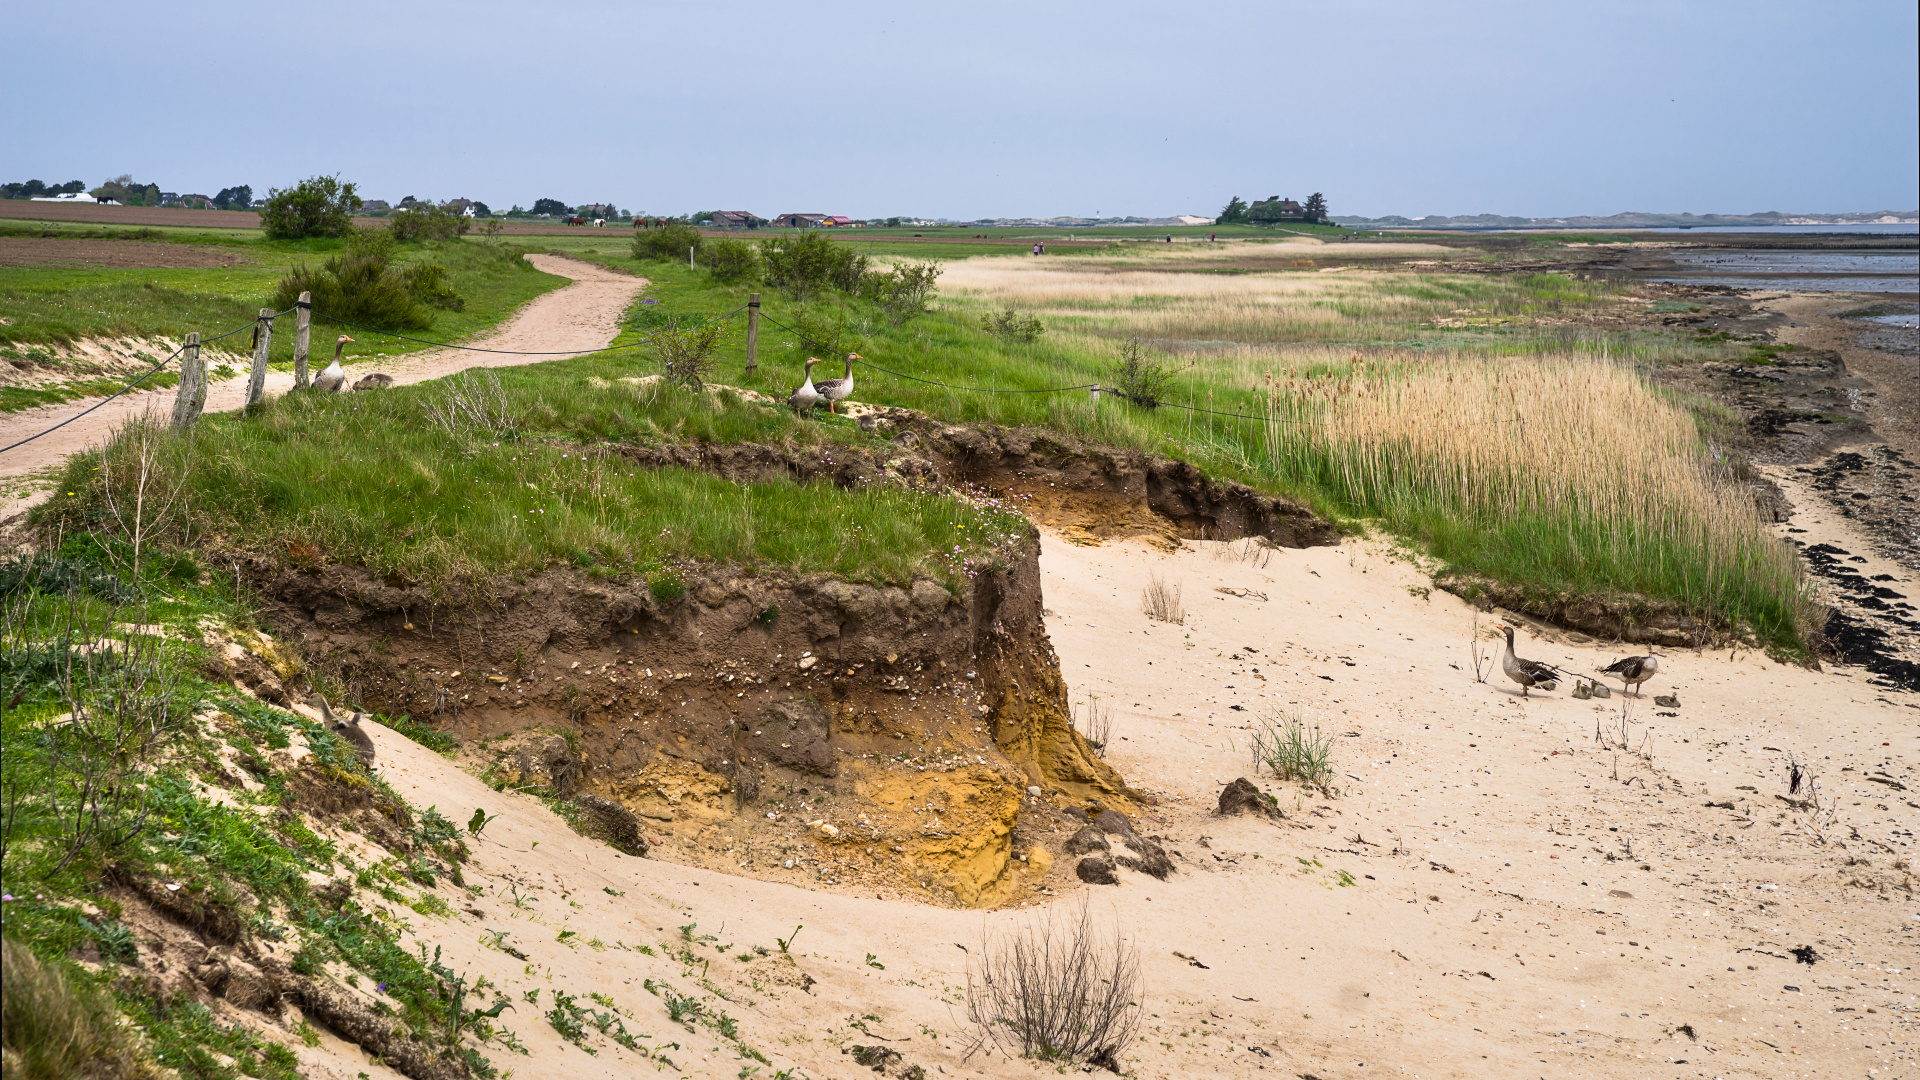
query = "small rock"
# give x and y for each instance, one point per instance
(1096, 870)
(807, 662)
(828, 831)
(1033, 790)
(1087, 841)
(1152, 857)
(1113, 822)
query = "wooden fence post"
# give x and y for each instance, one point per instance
(262, 340)
(302, 330)
(1095, 395)
(753, 332)
(690, 265)
(192, 396)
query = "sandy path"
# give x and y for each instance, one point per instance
(583, 316)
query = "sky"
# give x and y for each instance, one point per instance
(988, 108)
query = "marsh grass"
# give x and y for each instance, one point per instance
(54, 1025)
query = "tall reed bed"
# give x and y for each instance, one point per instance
(1565, 470)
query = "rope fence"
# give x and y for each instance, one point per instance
(192, 391)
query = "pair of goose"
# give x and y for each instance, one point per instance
(1631, 671)
(810, 393)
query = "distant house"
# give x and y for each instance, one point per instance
(375, 206)
(799, 221)
(836, 220)
(597, 210)
(460, 206)
(169, 198)
(1275, 208)
(737, 219)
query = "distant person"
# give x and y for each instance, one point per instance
(1211, 237)
(1036, 249)
(1169, 238)
(1042, 247)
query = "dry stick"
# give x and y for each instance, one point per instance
(262, 340)
(753, 332)
(192, 395)
(302, 329)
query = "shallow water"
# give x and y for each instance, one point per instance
(1801, 271)
(1905, 322)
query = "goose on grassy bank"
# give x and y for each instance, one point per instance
(840, 389)
(806, 395)
(334, 377)
(1528, 673)
(1632, 672)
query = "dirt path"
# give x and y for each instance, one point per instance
(583, 316)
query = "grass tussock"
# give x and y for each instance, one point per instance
(1290, 748)
(1161, 601)
(53, 1026)
(1057, 990)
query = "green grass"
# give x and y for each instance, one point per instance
(51, 306)
(368, 480)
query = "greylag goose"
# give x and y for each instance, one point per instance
(806, 395)
(334, 377)
(350, 730)
(1528, 673)
(1633, 671)
(838, 389)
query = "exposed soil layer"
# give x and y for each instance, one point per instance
(804, 729)
(1605, 616)
(1090, 493)
(38, 251)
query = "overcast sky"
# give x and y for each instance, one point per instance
(986, 108)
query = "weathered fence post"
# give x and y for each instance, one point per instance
(753, 332)
(690, 265)
(262, 340)
(193, 385)
(1094, 393)
(302, 329)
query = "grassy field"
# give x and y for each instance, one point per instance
(45, 310)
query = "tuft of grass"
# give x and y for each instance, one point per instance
(1161, 601)
(53, 1025)
(1292, 749)
(1058, 990)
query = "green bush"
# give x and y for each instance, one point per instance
(318, 206)
(804, 265)
(1011, 326)
(666, 243)
(424, 221)
(362, 289)
(428, 284)
(1138, 375)
(902, 291)
(731, 260)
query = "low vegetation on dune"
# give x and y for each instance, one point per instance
(483, 474)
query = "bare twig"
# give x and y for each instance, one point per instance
(1056, 990)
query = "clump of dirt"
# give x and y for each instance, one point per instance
(805, 729)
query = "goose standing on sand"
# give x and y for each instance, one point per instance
(838, 389)
(805, 396)
(1632, 671)
(1528, 673)
(334, 377)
